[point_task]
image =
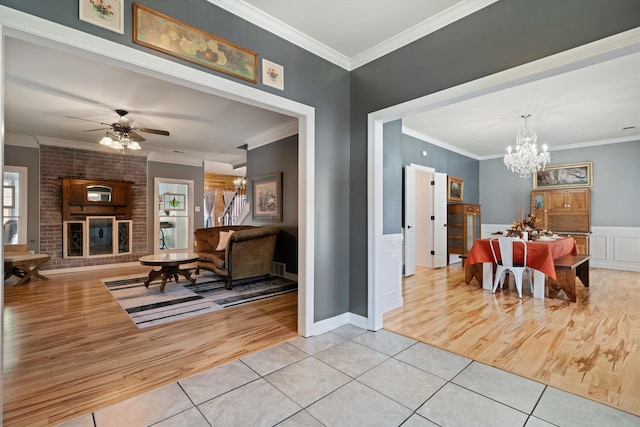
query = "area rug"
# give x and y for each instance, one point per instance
(148, 306)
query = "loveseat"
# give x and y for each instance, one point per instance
(236, 251)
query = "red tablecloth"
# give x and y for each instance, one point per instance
(540, 255)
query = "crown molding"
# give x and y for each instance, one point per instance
(422, 29)
(274, 134)
(280, 29)
(285, 31)
(434, 141)
(28, 141)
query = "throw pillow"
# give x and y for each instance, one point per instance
(224, 240)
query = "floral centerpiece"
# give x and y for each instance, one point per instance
(530, 225)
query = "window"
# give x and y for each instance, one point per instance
(14, 205)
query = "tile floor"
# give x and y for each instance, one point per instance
(353, 377)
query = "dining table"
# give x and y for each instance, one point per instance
(541, 254)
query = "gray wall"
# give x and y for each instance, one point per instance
(615, 195)
(172, 171)
(29, 158)
(310, 80)
(503, 35)
(280, 156)
(438, 158)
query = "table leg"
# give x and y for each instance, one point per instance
(487, 275)
(538, 284)
(153, 274)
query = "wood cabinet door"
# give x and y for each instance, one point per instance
(557, 200)
(577, 200)
(539, 206)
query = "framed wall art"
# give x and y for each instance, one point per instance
(564, 176)
(267, 198)
(165, 34)
(272, 74)
(455, 188)
(107, 14)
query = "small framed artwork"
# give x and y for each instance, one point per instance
(166, 34)
(455, 188)
(174, 202)
(107, 14)
(272, 74)
(571, 175)
(267, 198)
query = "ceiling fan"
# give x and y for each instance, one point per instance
(121, 134)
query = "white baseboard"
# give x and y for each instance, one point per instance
(335, 322)
(89, 268)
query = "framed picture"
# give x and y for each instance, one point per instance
(564, 176)
(267, 198)
(173, 202)
(168, 35)
(107, 14)
(272, 74)
(455, 188)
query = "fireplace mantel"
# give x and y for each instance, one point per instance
(86, 197)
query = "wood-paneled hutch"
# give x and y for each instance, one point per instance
(566, 212)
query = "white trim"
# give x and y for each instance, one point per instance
(601, 50)
(418, 31)
(176, 159)
(40, 31)
(53, 271)
(434, 141)
(285, 31)
(275, 134)
(17, 140)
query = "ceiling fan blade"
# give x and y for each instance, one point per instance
(156, 131)
(87, 120)
(135, 136)
(92, 130)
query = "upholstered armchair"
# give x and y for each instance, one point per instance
(236, 252)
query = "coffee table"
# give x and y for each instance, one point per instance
(169, 264)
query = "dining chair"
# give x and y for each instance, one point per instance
(505, 263)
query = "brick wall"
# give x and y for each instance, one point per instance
(61, 162)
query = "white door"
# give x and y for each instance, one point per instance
(174, 215)
(440, 220)
(409, 220)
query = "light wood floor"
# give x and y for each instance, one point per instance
(590, 348)
(70, 349)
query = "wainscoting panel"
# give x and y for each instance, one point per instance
(390, 271)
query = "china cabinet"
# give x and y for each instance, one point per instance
(464, 223)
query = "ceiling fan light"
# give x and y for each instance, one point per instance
(125, 140)
(117, 145)
(106, 140)
(133, 145)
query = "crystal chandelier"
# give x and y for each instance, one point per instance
(119, 141)
(526, 160)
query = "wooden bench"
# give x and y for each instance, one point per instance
(24, 266)
(567, 268)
